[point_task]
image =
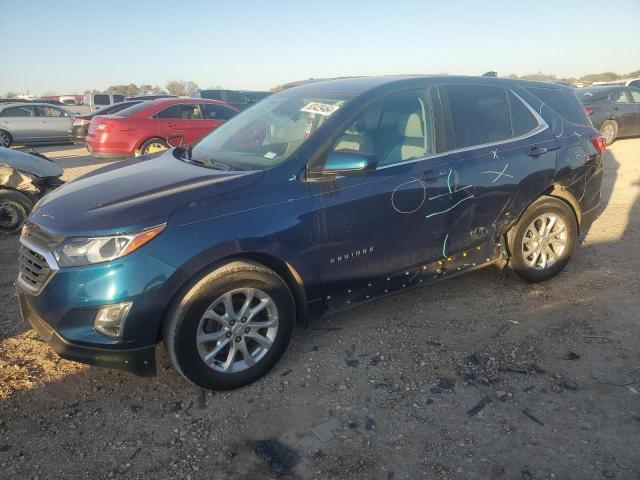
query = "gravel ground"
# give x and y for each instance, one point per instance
(479, 377)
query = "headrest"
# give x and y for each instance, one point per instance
(413, 128)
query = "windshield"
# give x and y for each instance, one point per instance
(268, 133)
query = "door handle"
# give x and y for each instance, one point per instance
(429, 177)
(537, 151)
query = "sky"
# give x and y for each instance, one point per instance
(73, 46)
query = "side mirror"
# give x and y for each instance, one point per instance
(345, 162)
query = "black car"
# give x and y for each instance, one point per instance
(81, 123)
(613, 109)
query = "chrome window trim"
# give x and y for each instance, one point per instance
(51, 263)
(542, 126)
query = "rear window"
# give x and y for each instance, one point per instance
(128, 111)
(523, 119)
(17, 112)
(564, 103)
(118, 98)
(101, 100)
(480, 114)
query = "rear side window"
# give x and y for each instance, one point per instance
(211, 111)
(49, 112)
(635, 95)
(118, 98)
(618, 97)
(101, 100)
(18, 112)
(480, 114)
(523, 119)
(181, 111)
(563, 102)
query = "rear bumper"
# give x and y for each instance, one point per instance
(140, 361)
(109, 154)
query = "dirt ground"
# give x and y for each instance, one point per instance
(479, 377)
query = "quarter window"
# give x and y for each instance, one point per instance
(396, 129)
(635, 95)
(212, 111)
(564, 102)
(523, 119)
(480, 114)
(181, 111)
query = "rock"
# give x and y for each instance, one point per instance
(501, 394)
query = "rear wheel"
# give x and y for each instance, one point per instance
(5, 139)
(231, 327)
(14, 208)
(153, 145)
(609, 131)
(541, 243)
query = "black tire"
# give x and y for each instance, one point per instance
(181, 323)
(609, 130)
(517, 263)
(149, 143)
(14, 208)
(5, 139)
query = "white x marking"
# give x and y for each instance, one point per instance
(499, 174)
(495, 154)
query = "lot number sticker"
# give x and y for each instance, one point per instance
(320, 108)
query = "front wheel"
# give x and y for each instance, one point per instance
(541, 243)
(14, 208)
(231, 327)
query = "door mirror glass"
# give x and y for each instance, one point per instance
(344, 162)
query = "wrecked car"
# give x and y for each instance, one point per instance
(314, 200)
(24, 179)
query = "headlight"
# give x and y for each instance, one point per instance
(76, 251)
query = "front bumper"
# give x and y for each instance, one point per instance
(140, 361)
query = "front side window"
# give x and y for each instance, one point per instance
(18, 112)
(181, 111)
(396, 129)
(480, 114)
(49, 112)
(268, 133)
(635, 95)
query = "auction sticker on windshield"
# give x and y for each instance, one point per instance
(320, 108)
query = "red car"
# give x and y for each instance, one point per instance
(152, 126)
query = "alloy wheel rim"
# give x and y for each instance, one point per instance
(9, 216)
(607, 133)
(4, 139)
(544, 241)
(237, 330)
(154, 148)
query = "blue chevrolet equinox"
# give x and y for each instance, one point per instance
(316, 199)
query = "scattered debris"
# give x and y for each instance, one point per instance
(442, 385)
(325, 431)
(502, 329)
(370, 424)
(428, 402)
(568, 384)
(286, 372)
(135, 408)
(352, 363)
(175, 407)
(280, 458)
(375, 360)
(528, 389)
(513, 368)
(527, 413)
(635, 390)
(572, 356)
(479, 406)
(501, 394)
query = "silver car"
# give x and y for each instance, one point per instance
(33, 123)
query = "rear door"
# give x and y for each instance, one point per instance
(634, 93)
(21, 122)
(180, 120)
(625, 112)
(502, 154)
(56, 123)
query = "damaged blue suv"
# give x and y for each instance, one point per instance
(314, 200)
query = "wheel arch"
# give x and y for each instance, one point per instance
(281, 267)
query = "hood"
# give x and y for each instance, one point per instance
(28, 163)
(132, 194)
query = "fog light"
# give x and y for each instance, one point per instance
(110, 319)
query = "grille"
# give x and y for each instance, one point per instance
(38, 236)
(34, 270)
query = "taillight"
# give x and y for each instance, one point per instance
(589, 110)
(598, 142)
(80, 121)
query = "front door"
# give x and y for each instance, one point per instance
(634, 93)
(625, 112)
(383, 230)
(179, 123)
(22, 123)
